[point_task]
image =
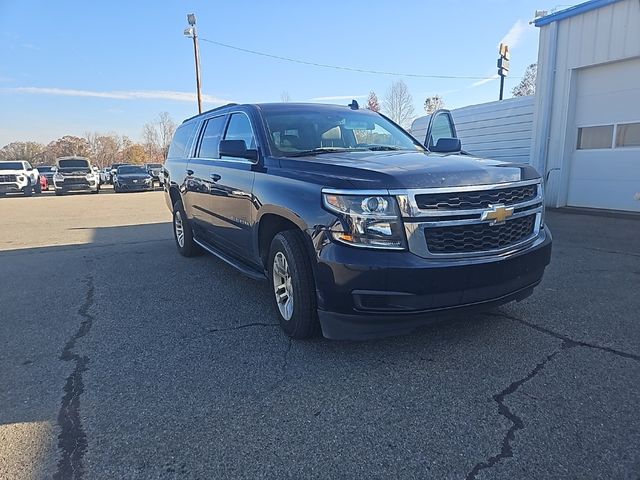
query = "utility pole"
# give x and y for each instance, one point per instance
(503, 66)
(191, 32)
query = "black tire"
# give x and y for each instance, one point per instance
(28, 190)
(186, 246)
(115, 188)
(303, 322)
(38, 188)
(59, 193)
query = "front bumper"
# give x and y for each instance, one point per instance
(366, 293)
(135, 187)
(66, 187)
(10, 188)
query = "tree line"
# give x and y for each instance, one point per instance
(102, 149)
(397, 104)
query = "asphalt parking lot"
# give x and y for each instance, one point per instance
(121, 359)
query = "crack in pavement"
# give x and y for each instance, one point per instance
(506, 450)
(72, 440)
(565, 338)
(518, 424)
(240, 327)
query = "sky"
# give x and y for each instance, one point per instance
(72, 67)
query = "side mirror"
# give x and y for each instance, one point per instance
(54, 169)
(236, 149)
(447, 145)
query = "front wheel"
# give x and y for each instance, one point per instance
(291, 278)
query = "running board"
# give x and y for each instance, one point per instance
(244, 269)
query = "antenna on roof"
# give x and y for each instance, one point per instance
(353, 105)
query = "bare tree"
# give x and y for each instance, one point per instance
(398, 104)
(527, 85)
(431, 104)
(157, 137)
(284, 96)
(32, 152)
(373, 103)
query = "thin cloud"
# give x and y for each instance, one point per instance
(515, 33)
(336, 97)
(485, 80)
(119, 94)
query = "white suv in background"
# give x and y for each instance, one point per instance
(19, 177)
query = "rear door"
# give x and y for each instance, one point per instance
(198, 182)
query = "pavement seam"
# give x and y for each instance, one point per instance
(72, 440)
(565, 338)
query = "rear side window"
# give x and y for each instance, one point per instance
(211, 137)
(591, 138)
(181, 141)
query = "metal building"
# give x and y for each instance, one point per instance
(586, 128)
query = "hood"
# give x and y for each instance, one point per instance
(132, 176)
(74, 170)
(399, 170)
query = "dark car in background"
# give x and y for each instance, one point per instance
(47, 171)
(132, 178)
(113, 170)
(360, 230)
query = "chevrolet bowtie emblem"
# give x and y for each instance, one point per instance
(497, 213)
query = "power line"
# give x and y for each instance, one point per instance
(340, 67)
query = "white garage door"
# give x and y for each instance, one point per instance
(605, 165)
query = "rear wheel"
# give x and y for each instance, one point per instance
(291, 278)
(183, 233)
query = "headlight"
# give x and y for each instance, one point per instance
(366, 220)
(20, 178)
(89, 176)
(58, 176)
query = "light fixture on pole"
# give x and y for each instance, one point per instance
(192, 33)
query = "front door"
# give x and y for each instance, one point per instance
(232, 191)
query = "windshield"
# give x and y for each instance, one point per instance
(296, 133)
(73, 163)
(44, 168)
(10, 166)
(154, 165)
(130, 169)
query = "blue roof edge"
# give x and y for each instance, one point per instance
(572, 11)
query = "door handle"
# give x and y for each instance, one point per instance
(189, 172)
(215, 177)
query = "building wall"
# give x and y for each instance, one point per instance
(501, 130)
(606, 34)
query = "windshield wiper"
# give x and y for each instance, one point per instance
(320, 151)
(379, 148)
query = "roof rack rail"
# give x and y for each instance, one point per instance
(209, 111)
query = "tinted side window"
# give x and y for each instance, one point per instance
(211, 137)
(240, 129)
(441, 128)
(181, 141)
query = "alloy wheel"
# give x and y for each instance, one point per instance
(282, 285)
(179, 228)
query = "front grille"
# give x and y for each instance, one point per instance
(478, 199)
(8, 178)
(479, 237)
(75, 181)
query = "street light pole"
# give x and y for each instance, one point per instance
(192, 32)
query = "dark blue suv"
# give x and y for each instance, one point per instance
(360, 230)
